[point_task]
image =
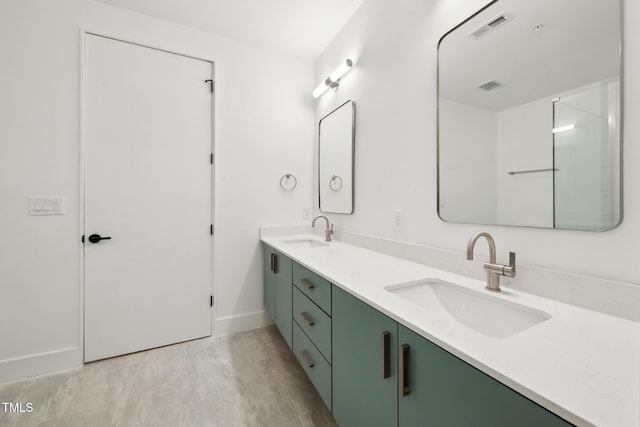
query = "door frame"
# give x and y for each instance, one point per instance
(82, 170)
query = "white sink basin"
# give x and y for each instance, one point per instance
(308, 243)
(482, 312)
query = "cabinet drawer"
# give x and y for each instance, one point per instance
(318, 369)
(313, 321)
(312, 285)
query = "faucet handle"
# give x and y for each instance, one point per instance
(328, 233)
(510, 270)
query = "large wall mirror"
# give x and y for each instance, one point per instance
(529, 116)
(335, 159)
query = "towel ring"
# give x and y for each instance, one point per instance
(288, 182)
(335, 183)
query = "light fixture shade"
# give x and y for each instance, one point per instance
(322, 88)
(331, 82)
(342, 69)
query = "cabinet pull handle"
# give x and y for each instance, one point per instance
(272, 256)
(307, 359)
(404, 370)
(307, 284)
(306, 318)
(275, 263)
(386, 353)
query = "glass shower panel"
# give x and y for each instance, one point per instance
(587, 159)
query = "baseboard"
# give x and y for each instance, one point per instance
(40, 364)
(241, 323)
(72, 358)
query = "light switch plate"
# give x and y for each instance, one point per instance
(46, 205)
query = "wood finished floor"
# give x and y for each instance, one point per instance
(245, 379)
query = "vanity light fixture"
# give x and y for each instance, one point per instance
(333, 81)
(563, 128)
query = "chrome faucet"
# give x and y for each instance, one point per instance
(328, 231)
(494, 271)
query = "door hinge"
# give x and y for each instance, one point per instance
(211, 229)
(211, 301)
(211, 158)
(210, 84)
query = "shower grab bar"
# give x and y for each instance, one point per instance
(531, 171)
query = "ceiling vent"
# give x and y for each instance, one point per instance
(490, 85)
(489, 26)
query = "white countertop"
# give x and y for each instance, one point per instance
(580, 364)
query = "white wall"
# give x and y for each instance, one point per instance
(525, 142)
(468, 163)
(263, 127)
(394, 86)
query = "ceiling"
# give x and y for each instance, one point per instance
(299, 28)
(577, 44)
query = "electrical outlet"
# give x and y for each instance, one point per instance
(306, 212)
(398, 219)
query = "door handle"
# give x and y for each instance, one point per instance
(306, 318)
(404, 370)
(386, 354)
(307, 359)
(307, 284)
(95, 238)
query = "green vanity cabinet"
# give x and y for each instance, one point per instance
(365, 383)
(386, 375)
(442, 390)
(313, 362)
(312, 328)
(372, 371)
(314, 322)
(269, 281)
(278, 298)
(317, 288)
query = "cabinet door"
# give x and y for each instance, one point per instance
(284, 296)
(446, 391)
(364, 343)
(269, 282)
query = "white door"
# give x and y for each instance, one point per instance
(148, 188)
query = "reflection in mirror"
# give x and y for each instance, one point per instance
(529, 116)
(335, 159)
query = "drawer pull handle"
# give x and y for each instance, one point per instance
(404, 370)
(307, 359)
(307, 284)
(306, 318)
(272, 269)
(386, 353)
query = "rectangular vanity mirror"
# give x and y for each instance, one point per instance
(335, 159)
(529, 116)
